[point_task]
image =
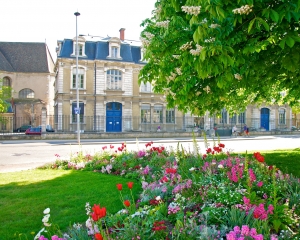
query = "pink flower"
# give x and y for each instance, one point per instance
(259, 184)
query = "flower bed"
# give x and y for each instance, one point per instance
(187, 195)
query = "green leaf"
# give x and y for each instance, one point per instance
(263, 22)
(251, 24)
(274, 16)
(282, 43)
(290, 41)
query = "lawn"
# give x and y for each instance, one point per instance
(24, 195)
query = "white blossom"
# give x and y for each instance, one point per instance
(149, 35)
(163, 24)
(207, 89)
(209, 40)
(191, 10)
(178, 70)
(238, 76)
(213, 25)
(47, 211)
(176, 56)
(186, 46)
(192, 169)
(196, 52)
(243, 10)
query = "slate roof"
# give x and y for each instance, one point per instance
(24, 57)
(99, 50)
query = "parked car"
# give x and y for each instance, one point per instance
(49, 128)
(23, 128)
(33, 131)
(294, 128)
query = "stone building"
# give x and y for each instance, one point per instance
(110, 98)
(27, 67)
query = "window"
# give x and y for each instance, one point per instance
(81, 112)
(158, 114)
(241, 117)
(26, 93)
(223, 116)
(281, 116)
(80, 50)
(114, 48)
(6, 82)
(114, 79)
(114, 52)
(232, 119)
(81, 73)
(170, 116)
(81, 47)
(145, 113)
(146, 87)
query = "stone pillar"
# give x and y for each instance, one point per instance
(44, 119)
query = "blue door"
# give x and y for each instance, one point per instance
(264, 118)
(113, 117)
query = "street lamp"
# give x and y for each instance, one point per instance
(77, 111)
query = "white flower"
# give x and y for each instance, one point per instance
(47, 224)
(191, 10)
(158, 198)
(220, 166)
(238, 76)
(163, 24)
(192, 169)
(243, 10)
(46, 218)
(46, 211)
(39, 234)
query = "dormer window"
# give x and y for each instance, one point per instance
(114, 52)
(81, 47)
(114, 48)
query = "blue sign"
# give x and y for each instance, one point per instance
(77, 110)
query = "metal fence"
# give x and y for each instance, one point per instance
(67, 123)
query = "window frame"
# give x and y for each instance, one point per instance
(282, 116)
(145, 113)
(74, 116)
(81, 77)
(170, 119)
(158, 113)
(30, 93)
(114, 79)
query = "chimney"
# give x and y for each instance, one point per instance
(122, 33)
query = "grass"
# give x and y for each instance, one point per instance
(24, 196)
(288, 161)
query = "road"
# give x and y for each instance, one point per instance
(23, 155)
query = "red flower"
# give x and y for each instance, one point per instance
(221, 145)
(171, 170)
(127, 203)
(259, 157)
(130, 185)
(119, 186)
(98, 212)
(98, 236)
(103, 148)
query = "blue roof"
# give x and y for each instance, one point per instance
(99, 51)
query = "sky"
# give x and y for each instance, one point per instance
(52, 20)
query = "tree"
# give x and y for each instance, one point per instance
(210, 54)
(5, 94)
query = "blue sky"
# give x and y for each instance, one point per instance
(52, 20)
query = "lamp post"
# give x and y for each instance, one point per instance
(77, 85)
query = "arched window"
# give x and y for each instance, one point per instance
(158, 114)
(145, 113)
(114, 79)
(26, 93)
(6, 82)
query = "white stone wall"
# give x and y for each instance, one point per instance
(60, 80)
(127, 82)
(100, 80)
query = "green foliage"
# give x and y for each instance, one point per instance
(5, 94)
(221, 58)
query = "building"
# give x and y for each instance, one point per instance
(110, 98)
(27, 67)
